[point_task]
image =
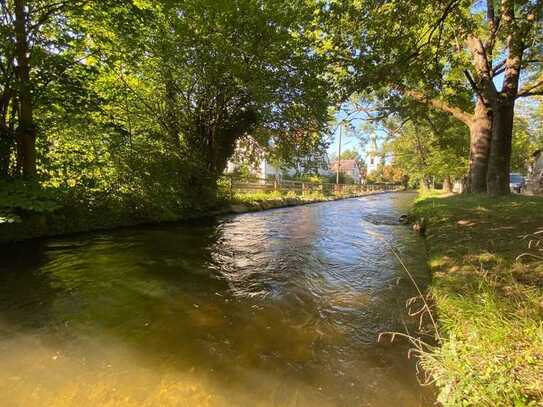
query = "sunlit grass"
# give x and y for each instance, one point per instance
(489, 304)
(259, 198)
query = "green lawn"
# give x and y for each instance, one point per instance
(489, 302)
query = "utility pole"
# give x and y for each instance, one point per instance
(339, 155)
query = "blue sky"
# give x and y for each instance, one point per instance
(352, 142)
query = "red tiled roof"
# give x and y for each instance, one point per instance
(346, 165)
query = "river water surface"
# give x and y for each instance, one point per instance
(274, 308)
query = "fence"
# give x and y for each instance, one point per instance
(255, 185)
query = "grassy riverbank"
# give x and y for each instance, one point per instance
(248, 202)
(489, 302)
(50, 216)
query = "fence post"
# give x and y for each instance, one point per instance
(275, 184)
(303, 188)
(230, 187)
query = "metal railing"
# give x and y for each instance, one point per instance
(301, 188)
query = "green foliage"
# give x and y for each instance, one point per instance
(215, 71)
(386, 173)
(431, 147)
(527, 138)
(138, 105)
(21, 195)
(307, 178)
(254, 197)
(348, 155)
(343, 179)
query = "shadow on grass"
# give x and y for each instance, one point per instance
(489, 302)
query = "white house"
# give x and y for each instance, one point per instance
(255, 159)
(265, 169)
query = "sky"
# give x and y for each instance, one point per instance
(350, 141)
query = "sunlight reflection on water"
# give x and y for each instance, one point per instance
(277, 308)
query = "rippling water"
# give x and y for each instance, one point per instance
(275, 308)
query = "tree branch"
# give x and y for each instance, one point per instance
(531, 89)
(443, 106)
(499, 68)
(431, 31)
(493, 25)
(473, 84)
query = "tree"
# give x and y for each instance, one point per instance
(35, 34)
(491, 41)
(216, 71)
(349, 155)
(446, 55)
(7, 94)
(86, 86)
(425, 144)
(527, 137)
(517, 26)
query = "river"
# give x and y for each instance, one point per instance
(274, 308)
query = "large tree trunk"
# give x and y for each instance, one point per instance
(500, 150)
(503, 103)
(26, 133)
(480, 136)
(503, 106)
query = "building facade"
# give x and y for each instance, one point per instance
(350, 168)
(255, 160)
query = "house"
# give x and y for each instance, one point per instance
(348, 167)
(265, 169)
(254, 160)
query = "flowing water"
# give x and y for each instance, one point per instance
(275, 308)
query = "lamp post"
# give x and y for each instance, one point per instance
(339, 155)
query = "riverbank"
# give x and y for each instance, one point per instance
(486, 257)
(74, 219)
(253, 202)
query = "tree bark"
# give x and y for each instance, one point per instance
(26, 132)
(500, 151)
(447, 184)
(480, 138)
(503, 105)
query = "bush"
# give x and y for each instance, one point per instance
(19, 196)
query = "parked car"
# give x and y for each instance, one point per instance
(516, 182)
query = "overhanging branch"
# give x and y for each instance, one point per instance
(532, 89)
(443, 106)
